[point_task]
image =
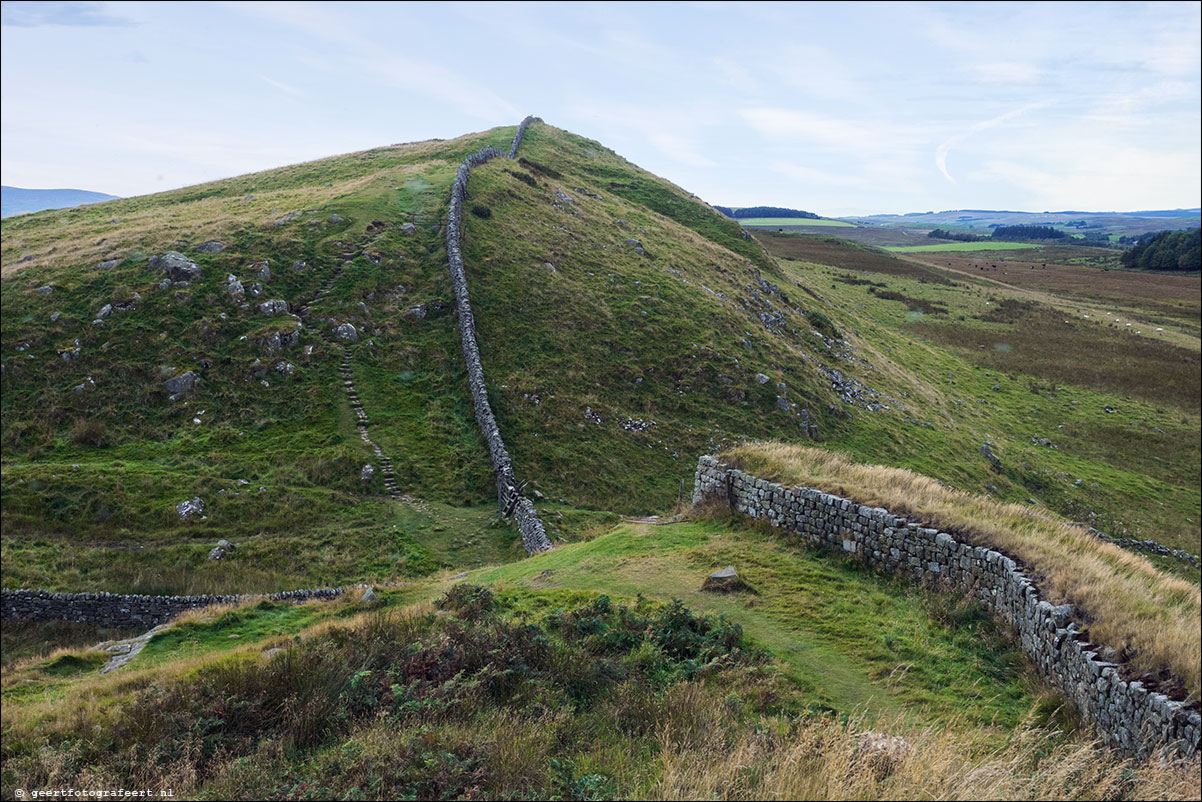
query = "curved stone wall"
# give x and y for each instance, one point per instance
(1128, 713)
(510, 499)
(123, 611)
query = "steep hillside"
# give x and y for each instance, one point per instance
(625, 327)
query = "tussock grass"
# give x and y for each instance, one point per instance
(823, 759)
(1127, 603)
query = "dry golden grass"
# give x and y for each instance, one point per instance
(824, 759)
(1127, 602)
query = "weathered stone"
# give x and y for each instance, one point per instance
(636, 246)
(277, 306)
(347, 331)
(108, 264)
(183, 383)
(191, 508)
(408, 229)
(177, 266)
(104, 312)
(988, 454)
(212, 246)
(366, 473)
(724, 580)
(337, 218)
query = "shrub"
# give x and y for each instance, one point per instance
(481, 211)
(88, 433)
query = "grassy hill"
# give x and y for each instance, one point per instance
(625, 327)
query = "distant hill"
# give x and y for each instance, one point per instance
(16, 200)
(764, 211)
(1089, 225)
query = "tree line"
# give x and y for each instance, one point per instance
(765, 211)
(1167, 250)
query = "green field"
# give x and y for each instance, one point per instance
(793, 221)
(963, 246)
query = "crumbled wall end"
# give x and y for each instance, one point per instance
(1128, 715)
(509, 497)
(117, 611)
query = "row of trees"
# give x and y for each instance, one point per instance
(765, 211)
(958, 236)
(1167, 250)
(1012, 233)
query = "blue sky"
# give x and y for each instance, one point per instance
(842, 108)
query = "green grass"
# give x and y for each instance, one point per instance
(851, 640)
(963, 246)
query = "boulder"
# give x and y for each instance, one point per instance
(212, 246)
(234, 287)
(369, 596)
(761, 378)
(279, 340)
(347, 332)
(337, 218)
(637, 246)
(219, 551)
(988, 454)
(276, 306)
(177, 266)
(190, 508)
(264, 270)
(104, 312)
(408, 229)
(366, 473)
(183, 383)
(108, 264)
(725, 580)
(45, 290)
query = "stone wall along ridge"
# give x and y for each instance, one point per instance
(1128, 714)
(118, 611)
(510, 499)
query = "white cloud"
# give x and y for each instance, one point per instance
(942, 151)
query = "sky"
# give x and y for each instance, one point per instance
(837, 108)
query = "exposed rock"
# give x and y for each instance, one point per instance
(369, 596)
(408, 229)
(70, 354)
(212, 246)
(988, 454)
(183, 383)
(177, 266)
(54, 316)
(337, 218)
(725, 580)
(761, 378)
(279, 340)
(347, 332)
(637, 246)
(45, 290)
(284, 368)
(234, 287)
(108, 264)
(190, 508)
(274, 307)
(104, 312)
(219, 551)
(264, 270)
(366, 473)
(298, 265)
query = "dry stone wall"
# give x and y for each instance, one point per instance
(1128, 714)
(117, 611)
(510, 499)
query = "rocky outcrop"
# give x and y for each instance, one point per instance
(177, 266)
(510, 499)
(1129, 713)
